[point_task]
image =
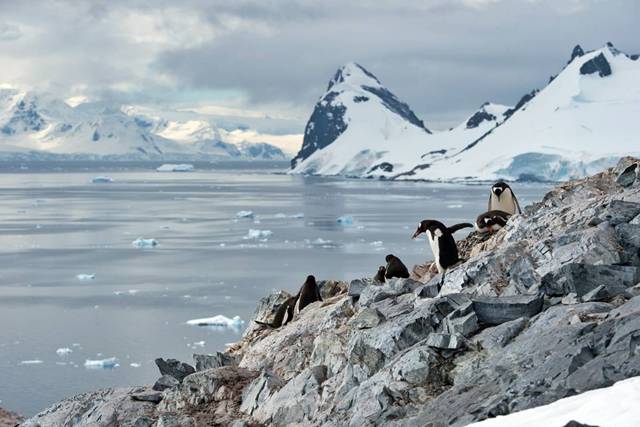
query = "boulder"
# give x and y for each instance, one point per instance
(465, 325)
(366, 318)
(356, 287)
(208, 361)
(445, 341)
(583, 278)
(331, 288)
(618, 212)
(497, 310)
(174, 368)
(148, 396)
(165, 382)
(259, 390)
(430, 290)
(497, 337)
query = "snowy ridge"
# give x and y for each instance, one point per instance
(580, 123)
(40, 126)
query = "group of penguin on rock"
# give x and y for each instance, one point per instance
(502, 204)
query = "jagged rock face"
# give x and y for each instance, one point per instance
(576, 52)
(25, 118)
(599, 65)
(479, 117)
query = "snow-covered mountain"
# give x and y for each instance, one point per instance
(35, 125)
(578, 124)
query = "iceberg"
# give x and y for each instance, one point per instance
(144, 243)
(108, 363)
(219, 321)
(257, 234)
(245, 214)
(170, 167)
(298, 215)
(345, 220)
(63, 351)
(135, 365)
(31, 362)
(102, 180)
(84, 277)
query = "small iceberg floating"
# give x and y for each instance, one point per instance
(170, 167)
(257, 234)
(345, 220)
(245, 214)
(63, 351)
(31, 362)
(102, 180)
(144, 243)
(83, 276)
(108, 363)
(219, 321)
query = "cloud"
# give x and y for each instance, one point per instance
(444, 57)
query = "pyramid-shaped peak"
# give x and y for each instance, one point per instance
(576, 52)
(353, 74)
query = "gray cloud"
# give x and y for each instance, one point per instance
(442, 57)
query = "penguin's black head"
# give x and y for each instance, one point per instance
(500, 187)
(311, 279)
(382, 270)
(428, 225)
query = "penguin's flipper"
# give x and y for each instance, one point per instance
(457, 227)
(515, 199)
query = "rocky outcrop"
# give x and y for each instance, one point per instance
(9, 419)
(546, 308)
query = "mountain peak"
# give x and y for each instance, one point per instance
(353, 74)
(576, 52)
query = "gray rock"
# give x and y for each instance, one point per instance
(260, 390)
(465, 325)
(574, 423)
(331, 288)
(209, 361)
(618, 212)
(570, 298)
(357, 286)
(600, 293)
(165, 382)
(102, 408)
(628, 175)
(366, 318)
(395, 306)
(175, 368)
(430, 290)
(629, 237)
(582, 278)
(175, 420)
(496, 310)
(445, 341)
(148, 396)
(366, 356)
(635, 221)
(495, 338)
(239, 423)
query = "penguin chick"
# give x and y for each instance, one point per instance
(379, 277)
(491, 221)
(443, 245)
(395, 268)
(502, 198)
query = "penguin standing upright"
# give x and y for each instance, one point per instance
(379, 277)
(309, 292)
(491, 221)
(443, 245)
(502, 199)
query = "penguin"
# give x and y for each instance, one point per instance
(309, 292)
(443, 246)
(491, 221)
(380, 274)
(395, 268)
(501, 198)
(283, 315)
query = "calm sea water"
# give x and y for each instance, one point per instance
(56, 224)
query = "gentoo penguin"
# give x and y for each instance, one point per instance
(283, 315)
(443, 246)
(309, 292)
(491, 221)
(395, 268)
(502, 199)
(380, 274)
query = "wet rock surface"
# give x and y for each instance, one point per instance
(547, 307)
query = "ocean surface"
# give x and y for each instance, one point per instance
(56, 225)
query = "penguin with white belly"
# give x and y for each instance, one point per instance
(443, 245)
(502, 199)
(492, 221)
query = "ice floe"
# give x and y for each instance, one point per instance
(144, 243)
(245, 214)
(170, 167)
(135, 365)
(102, 180)
(257, 234)
(63, 351)
(345, 220)
(220, 321)
(83, 276)
(108, 363)
(31, 362)
(376, 243)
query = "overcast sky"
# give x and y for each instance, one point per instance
(246, 57)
